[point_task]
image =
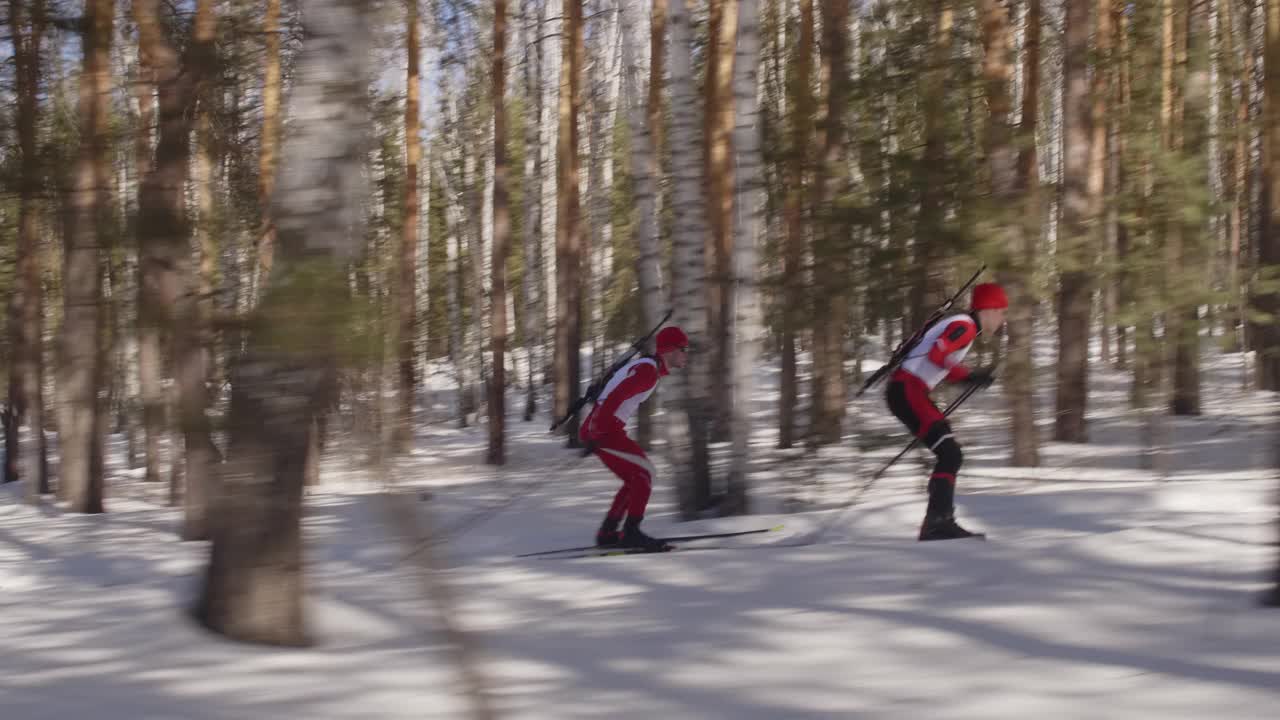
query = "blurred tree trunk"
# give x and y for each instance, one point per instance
(793, 312)
(929, 276)
(568, 223)
(1120, 93)
(1266, 299)
(748, 321)
(406, 285)
(718, 144)
(1074, 254)
(26, 459)
(832, 269)
(148, 311)
(164, 235)
(646, 169)
(1008, 195)
(270, 140)
(687, 423)
(530, 297)
(1103, 64)
(80, 376)
(253, 585)
(501, 239)
(1192, 251)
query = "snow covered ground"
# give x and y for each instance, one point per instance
(1105, 591)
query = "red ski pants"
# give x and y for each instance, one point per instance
(627, 460)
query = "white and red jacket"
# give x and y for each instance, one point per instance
(940, 352)
(617, 402)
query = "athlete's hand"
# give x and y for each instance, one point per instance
(982, 377)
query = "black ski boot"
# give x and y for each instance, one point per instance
(608, 535)
(944, 528)
(635, 538)
(940, 517)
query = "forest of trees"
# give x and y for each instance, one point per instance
(234, 228)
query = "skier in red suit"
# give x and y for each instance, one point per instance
(937, 357)
(605, 432)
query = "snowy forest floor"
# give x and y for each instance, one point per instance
(1105, 591)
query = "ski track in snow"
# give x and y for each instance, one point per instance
(1105, 591)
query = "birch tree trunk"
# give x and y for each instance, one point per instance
(687, 423)
(748, 325)
(271, 88)
(253, 585)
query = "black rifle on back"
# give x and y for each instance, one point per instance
(904, 348)
(593, 391)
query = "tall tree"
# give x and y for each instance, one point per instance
(568, 221)
(253, 584)
(718, 145)
(793, 255)
(406, 278)
(687, 428)
(501, 239)
(1074, 249)
(1012, 270)
(1103, 66)
(1266, 296)
(270, 140)
(748, 325)
(531, 298)
(929, 250)
(80, 374)
(832, 271)
(149, 317)
(27, 459)
(164, 238)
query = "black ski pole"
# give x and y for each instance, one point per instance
(950, 408)
(899, 353)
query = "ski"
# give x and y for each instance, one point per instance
(597, 549)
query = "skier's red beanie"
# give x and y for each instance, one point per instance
(989, 296)
(671, 338)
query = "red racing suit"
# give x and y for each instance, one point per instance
(605, 429)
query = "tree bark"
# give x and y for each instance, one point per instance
(531, 298)
(407, 275)
(1265, 300)
(717, 139)
(687, 425)
(1104, 40)
(501, 239)
(748, 325)
(253, 585)
(928, 273)
(80, 373)
(793, 256)
(648, 200)
(1074, 249)
(271, 88)
(568, 223)
(26, 459)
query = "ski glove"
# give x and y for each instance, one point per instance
(982, 377)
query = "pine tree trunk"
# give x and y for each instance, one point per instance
(1266, 300)
(26, 458)
(719, 172)
(1104, 40)
(997, 70)
(832, 270)
(532, 225)
(406, 278)
(253, 586)
(271, 88)
(687, 421)
(1193, 259)
(1075, 254)
(793, 256)
(148, 311)
(928, 276)
(568, 223)
(80, 375)
(748, 325)
(501, 239)
(457, 346)
(1124, 285)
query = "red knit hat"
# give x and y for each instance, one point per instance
(671, 338)
(989, 296)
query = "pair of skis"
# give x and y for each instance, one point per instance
(606, 551)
